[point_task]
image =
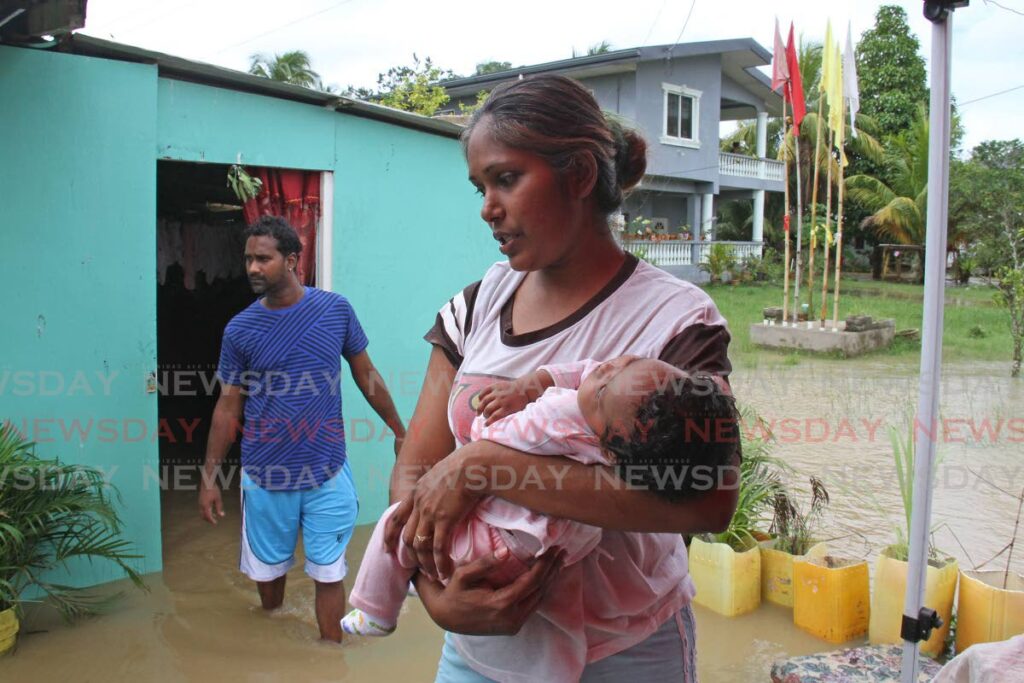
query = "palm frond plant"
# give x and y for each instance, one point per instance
(51, 514)
(721, 260)
(891, 565)
(726, 567)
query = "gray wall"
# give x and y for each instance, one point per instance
(698, 73)
(732, 91)
(615, 93)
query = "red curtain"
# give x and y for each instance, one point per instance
(295, 196)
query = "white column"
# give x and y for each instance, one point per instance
(762, 149)
(758, 235)
(762, 134)
(707, 203)
(325, 234)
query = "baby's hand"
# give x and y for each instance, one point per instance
(501, 399)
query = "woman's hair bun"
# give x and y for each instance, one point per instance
(630, 155)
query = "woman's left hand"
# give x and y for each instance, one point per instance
(424, 520)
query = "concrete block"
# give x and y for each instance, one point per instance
(823, 340)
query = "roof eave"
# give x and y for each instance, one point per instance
(179, 68)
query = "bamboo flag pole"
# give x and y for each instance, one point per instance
(799, 227)
(785, 227)
(828, 230)
(814, 209)
(839, 229)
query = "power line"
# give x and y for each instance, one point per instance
(1008, 9)
(685, 23)
(985, 97)
(655, 22)
(159, 16)
(283, 26)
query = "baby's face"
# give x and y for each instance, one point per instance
(610, 396)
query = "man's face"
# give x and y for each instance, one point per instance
(266, 267)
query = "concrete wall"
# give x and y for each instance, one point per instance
(78, 183)
(78, 187)
(615, 93)
(698, 73)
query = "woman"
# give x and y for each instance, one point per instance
(551, 170)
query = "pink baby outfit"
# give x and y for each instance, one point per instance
(551, 425)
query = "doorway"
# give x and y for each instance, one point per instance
(201, 284)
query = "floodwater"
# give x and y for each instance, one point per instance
(202, 621)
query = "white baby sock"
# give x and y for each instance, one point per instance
(359, 623)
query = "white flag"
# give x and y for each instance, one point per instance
(850, 91)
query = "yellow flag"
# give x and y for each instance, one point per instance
(826, 60)
(836, 120)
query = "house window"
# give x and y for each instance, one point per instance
(682, 122)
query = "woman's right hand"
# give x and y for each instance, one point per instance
(470, 606)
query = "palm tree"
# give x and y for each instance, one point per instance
(290, 67)
(898, 206)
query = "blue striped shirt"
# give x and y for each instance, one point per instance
(288, 363)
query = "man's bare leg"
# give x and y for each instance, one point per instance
(330, 608)
(271, 592)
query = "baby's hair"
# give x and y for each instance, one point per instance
(681, 434)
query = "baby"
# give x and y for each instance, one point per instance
(660, 428)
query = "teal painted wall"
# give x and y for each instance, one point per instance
(201, 123)
(407, 236)
(78, 184)
(78, 190)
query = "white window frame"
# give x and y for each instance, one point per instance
(682, 91)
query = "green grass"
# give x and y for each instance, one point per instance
(966, 307)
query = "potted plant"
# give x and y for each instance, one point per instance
(721, 261)
(50, 514)
(831, 597)
(792, 537)
(726, 567)
(990, 604)
(891, 566)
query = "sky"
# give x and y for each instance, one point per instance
(351, 41)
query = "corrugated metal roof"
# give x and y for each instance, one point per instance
(183, 69)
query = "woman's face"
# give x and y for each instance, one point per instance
(531, 215)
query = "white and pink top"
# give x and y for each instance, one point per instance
(635, 581)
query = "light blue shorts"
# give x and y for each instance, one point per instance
(668, 654)
(271, 521)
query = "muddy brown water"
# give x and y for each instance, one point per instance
(201, 620)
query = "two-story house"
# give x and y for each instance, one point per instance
(677, 96)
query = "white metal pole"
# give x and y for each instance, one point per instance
(925, 435)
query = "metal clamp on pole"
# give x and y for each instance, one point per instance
(937, 10)
(917, 630)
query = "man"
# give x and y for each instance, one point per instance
(280, 364)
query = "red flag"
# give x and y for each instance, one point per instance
(795, 92)
(780, 69)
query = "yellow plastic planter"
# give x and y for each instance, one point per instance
(887, 601)
(8, 630)
(727, 582)
(985, 612)
(831, 598)
(777, 572)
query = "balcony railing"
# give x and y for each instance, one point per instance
(687, 252)
(750, 167)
